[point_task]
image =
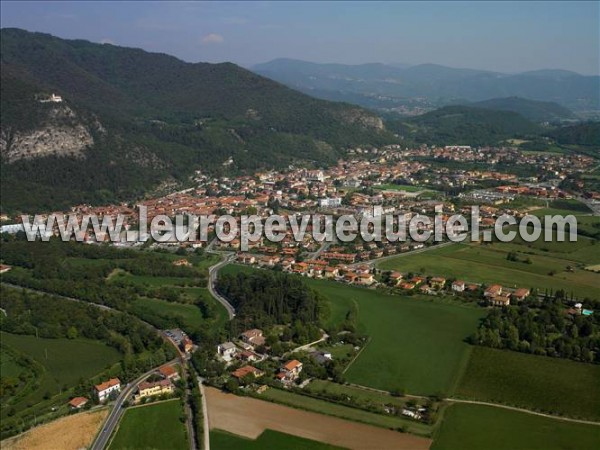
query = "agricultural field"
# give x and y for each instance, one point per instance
(345, 412)
(64, 363)
(168, 314)
(476, 427)
(488, 264)
(221, 440)
(540, 383)
(229, 413)
(67, 433)
(416, 342)
(156, 426)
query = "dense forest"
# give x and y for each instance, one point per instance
(155, 118)
(263, 299)
(542, 328)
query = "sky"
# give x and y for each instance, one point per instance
(501, 36)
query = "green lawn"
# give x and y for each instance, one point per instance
(416, 343)
(345, 412)
(65, 361)
(160, 313)
(475, 427)
(156, 426)
(379, 399)
(541, 383)
(488, 264)
(269, 439)
(8, 366)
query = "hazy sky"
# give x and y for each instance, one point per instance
(502, 36)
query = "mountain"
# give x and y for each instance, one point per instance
(531, 109)
(464, 125)
(433, 84)
(130, 121)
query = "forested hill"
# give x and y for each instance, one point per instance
(131, 119)
(464, 125)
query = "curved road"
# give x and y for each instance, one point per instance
(213, 271)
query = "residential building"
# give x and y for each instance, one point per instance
(104, 390)
(78, 402)
(169, 372)
(458, 286)
(226, 350)
(152, 388)
(253, 337)
(245, 371)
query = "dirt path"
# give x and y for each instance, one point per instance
(68, 433)
(250, 417)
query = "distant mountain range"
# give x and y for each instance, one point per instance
(382, 85)
(130, 121)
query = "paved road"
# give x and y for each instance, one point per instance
(206, 443)
(213, 272)
(114, 417)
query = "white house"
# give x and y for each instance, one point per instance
(104, 390)
(458, 286)
(226, 350)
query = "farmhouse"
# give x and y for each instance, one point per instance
(520, 294)
(253, 337)
(169, 372)
(500, 300)
(78, 402)
(104, 390)
(245, 371)
(4, 268)
(290, 371)
(226, 350)
(152, 388)
(458, 286)
(437, 282)
(493, 291)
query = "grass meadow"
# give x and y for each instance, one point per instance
(488, 264)
(540, 383)
(416, 343)
(65, 361)
(476, 427)
(155, 426)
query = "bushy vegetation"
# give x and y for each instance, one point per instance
(263, 299)
(543, 328)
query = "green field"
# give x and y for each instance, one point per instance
(345, 412)
(475, 427)
(156, 426)
(173, 314)
(541, 383)
(269, 439)
(416, 343)
(65, 362)
(488, 264)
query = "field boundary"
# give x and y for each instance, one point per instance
(357, 355)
